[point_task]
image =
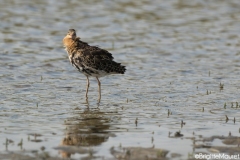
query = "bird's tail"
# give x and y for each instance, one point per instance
(122, 69)
(116, 68)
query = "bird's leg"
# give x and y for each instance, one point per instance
(87, 87)
(87, 104)
(99, 90)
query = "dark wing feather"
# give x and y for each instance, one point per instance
(92, 57)
(95, 51)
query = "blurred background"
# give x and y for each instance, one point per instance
(179, 96)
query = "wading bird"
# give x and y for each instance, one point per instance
(92, 61)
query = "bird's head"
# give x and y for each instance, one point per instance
(71, 34)
(71, 39)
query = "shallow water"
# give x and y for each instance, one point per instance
(177, 53)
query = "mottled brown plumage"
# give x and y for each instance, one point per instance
(90, 60)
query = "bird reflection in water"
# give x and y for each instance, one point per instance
(86, 129)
